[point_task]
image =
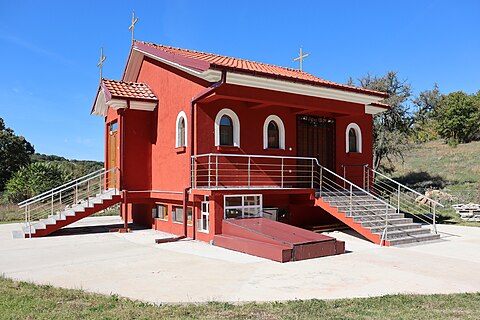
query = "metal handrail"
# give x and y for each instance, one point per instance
(56, 188)
(404, 186)
(292, 158)
(64, 187)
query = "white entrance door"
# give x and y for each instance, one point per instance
(205, 214)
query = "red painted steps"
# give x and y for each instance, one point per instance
(275, 240)
(55, 222)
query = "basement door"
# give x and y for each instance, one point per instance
(315, 139)
(112, 146)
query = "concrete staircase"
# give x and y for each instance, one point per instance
(71, 214)
(372, 218)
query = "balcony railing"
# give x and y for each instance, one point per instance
(219, 171)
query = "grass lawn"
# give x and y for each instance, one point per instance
(21, 300)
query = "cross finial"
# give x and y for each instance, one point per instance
(132, 26)
(100, 63)
(301, 57)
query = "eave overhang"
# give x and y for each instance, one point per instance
(106, 99)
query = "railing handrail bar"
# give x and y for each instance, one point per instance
(404, 186)
(66, 186)
(297, 158)
(56, 188)
(355, 165)
(251, 156)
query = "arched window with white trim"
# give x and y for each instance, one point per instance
(273, 133)
(181, 130)
(353, 138)
(227, 128)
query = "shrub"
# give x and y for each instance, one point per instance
(34, 179)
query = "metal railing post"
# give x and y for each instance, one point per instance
(398, 200)
(115, 180)
(311, 183)
(351, 200)
(191, 174)
(385, 231)
(281, 183)
(88, 193)
(209, 175)
(368, 180)
(52, 205)
(363, 177)
(216, 171)
(248, 172)
(434, 205)
(29, 223)
(321, 180)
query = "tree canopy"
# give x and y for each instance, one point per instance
(391, 129)
(15, 152)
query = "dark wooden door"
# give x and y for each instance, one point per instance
(316, 139)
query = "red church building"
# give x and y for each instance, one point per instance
(244, 155)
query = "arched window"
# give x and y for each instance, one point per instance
(353, 136)
(181, 130)
(226, 131)
(273, 133)
(227, 128)
(352, 140)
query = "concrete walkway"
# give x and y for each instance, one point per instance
(131, 265)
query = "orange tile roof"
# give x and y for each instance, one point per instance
(129, 90)
(257, 68)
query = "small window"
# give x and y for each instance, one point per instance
(181, 133)
(242, 206)
(160, 212)
(352, 140)
(114, 126)
(189, 215)
(273, 135)
(226, 131)
(181, 130)
(177, 214)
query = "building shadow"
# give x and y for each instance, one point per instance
(94, 229)
(422, 180)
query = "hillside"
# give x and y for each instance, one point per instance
(438, 165)
(454, 170)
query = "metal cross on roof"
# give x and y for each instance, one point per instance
(132, 26)
(100, 63)
(301, 57)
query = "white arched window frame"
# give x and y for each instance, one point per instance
(358, 132)
(236, 126)
(281, 131)
(181, 115)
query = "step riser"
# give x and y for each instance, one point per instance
(380, 229)
(405, 233)
(377, 223)
(396, 242)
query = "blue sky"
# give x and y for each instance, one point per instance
(49, 50)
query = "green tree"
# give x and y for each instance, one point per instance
(15, 152)
(391, 129)
(459, 117)
(426, 106)
(34, 179)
